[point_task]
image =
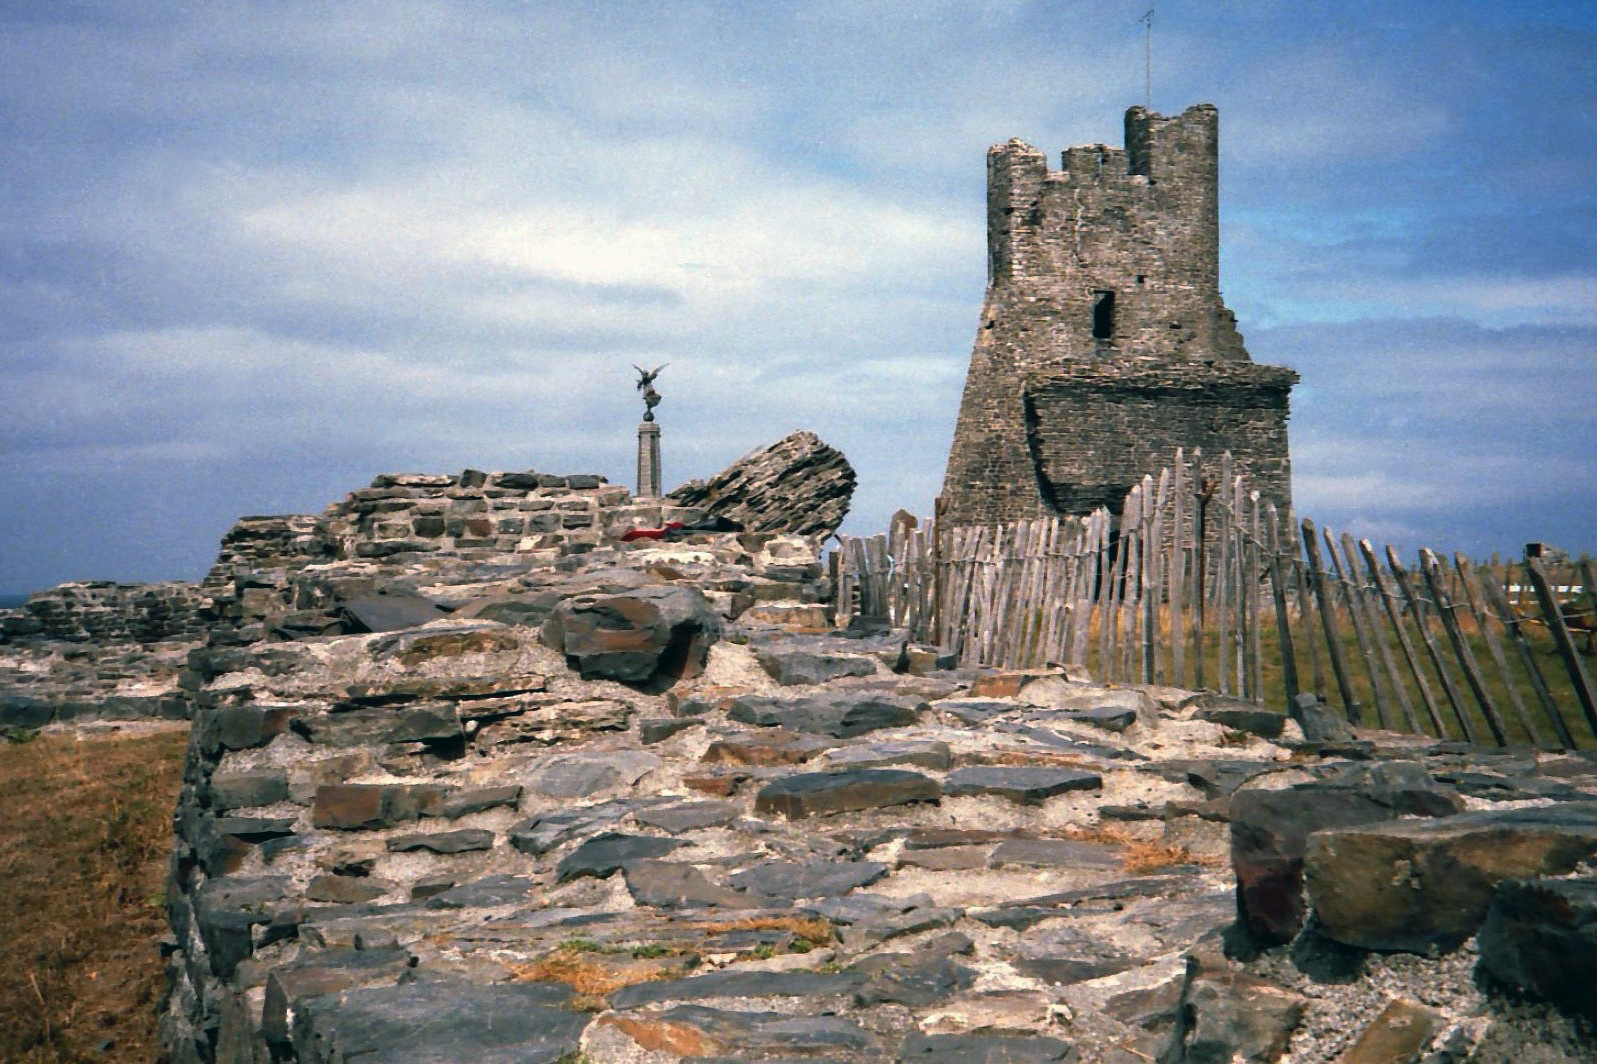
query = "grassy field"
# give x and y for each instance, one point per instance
(83, 853)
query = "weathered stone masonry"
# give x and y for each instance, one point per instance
(1104, 341)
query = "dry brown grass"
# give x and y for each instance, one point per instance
(83, 853)
(593, 972)
(1142, 856)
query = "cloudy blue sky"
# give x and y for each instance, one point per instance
(254, 253)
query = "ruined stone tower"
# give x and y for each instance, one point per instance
(1104, 343)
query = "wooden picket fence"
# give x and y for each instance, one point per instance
(1198, 584)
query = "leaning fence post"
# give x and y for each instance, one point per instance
(1477, 607)
(1435, 575)
(1283, 623)
(1566, 647)
(1333, 641)
(1396, 620)
(1366, 655)
(1372, 625)
(1400, 574)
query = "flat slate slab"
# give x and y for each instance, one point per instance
(818, 793)
(522, 1023)
(1025, 784)
(689, 816)
(608, 853)
(840, 714)
(1055, 853)
(488, 893)
(921, 753)
(466, 840)
(579, 775)
(546, 831)
(812, 660)
(791, 880)
(974, 711)
(674, 885)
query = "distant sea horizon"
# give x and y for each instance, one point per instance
(11, 602)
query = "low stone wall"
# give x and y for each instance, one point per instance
(618, 810)
(105, 612)
(268, 566)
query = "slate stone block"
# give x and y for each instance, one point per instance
(1270, 831)
(579, 775)
(1416, 885)
(819, 793)
(370, 806)
(672, 885)
(653, 635)
(346, 890)
(781, 747)
(245, 790)
(1239, 716)
(1054, 853)
(490, 892)
(840, 714)
(225, 909)
(922, 753)
(790, 880)
(677, 817)
(543, 832)
(1026, 785)
(811, 661)
(1229, 1015)
(606, 854)
(468, 800)
(466, 840)
(652, 730)
(439, 1020)
(435, 722)
(1397, 1035)
(916, 980)
(247, 726)
(325, 972)
(21, 711)
(1540, 938)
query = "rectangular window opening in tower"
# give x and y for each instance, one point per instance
(1103, 315)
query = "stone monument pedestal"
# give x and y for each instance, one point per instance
(648, 459)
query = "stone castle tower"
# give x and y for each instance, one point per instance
(1104, 342)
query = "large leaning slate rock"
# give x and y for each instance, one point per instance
(796, 486)
(1420, 884)
(650, 635)
(1541, 938)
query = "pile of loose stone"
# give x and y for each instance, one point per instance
(629, 802)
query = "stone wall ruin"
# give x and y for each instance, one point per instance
(1104, 341)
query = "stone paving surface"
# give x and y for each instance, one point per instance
(630, 802)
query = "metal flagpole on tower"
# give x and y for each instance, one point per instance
(1147, 51)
